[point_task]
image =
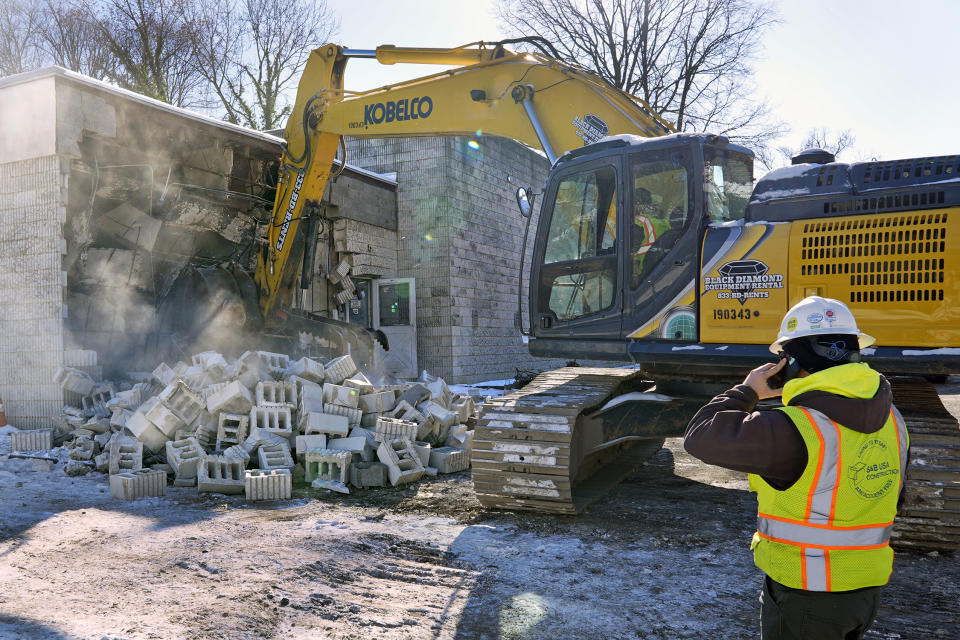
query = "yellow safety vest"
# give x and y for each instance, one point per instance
(830, 530)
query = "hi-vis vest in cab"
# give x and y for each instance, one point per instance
(830, 531)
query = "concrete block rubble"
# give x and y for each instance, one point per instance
(248, 427)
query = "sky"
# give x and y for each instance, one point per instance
(885, 70)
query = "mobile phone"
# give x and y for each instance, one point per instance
(789, 371)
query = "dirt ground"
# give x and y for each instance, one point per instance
(665, 556)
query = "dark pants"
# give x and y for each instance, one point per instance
(795, 614)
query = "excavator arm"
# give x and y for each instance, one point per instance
(528, 97)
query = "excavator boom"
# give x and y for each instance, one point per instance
(524, 96)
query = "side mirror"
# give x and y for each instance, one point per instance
(525, 198)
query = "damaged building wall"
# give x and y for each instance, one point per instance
(460, 236)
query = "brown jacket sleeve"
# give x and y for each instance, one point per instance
(727, 432)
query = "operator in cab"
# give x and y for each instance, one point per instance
(828, 469)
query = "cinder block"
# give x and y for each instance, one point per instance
(143, 483)
(163, 374)
(430, 429)
(340, 272)
(98, 400)
(276, 394)
(184, 456)
(212, 362)
(353, 416)
(232, 398)
(231, 429)
(119, 418)
(367, 434)
(275, 420)
(404, 411)
(369, 420)
(146, 432)
(276, 362)
(461, 438)
(125, 455)
(206, 435)
(313, 441)
(376, 402)
(275, 456)
(129, 399)
(392, 428)
(211, 389)
(308, 369)
(440, 392)
(183, 402)
(251, 369)
(339, 369)
(102, 462)
(326, 469)
(359, 382)
(340, 395)
(238, 451)
(445, 417)
(464, 407)
(357, 445)
(415, 395)
(34, 440)
(423, 450)
(74, 381)
(368, 474)
(311, 399)
(275, 484)
(314, 422)
(218, 474)
(449, 459)
(162, 417)
(403, 462)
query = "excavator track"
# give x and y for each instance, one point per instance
(929, 519)
(528, 453)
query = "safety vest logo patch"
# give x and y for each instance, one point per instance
(872, 474)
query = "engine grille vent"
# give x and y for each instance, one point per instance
(887, 258)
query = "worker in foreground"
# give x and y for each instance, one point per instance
(828, 468)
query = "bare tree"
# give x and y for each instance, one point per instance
(151, 42)
(19, 21)
(251, 51)
(822, 138)
(688, 59)
(70, 38)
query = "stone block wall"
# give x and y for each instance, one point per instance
(460, 235)
(32, 289)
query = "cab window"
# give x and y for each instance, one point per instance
(582, 243)
(728, 184)
(661, 211)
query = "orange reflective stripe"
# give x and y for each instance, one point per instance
(816, 474)
(826, 564)
(803, 567)
(822, 546)
(836, 488)
(825, 526)
(897, 431)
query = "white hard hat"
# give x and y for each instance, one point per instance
(815, 315)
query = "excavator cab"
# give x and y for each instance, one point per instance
(618, 244)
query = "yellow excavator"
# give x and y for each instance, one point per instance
(656, 250)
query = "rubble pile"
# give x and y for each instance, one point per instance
(244, 427)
